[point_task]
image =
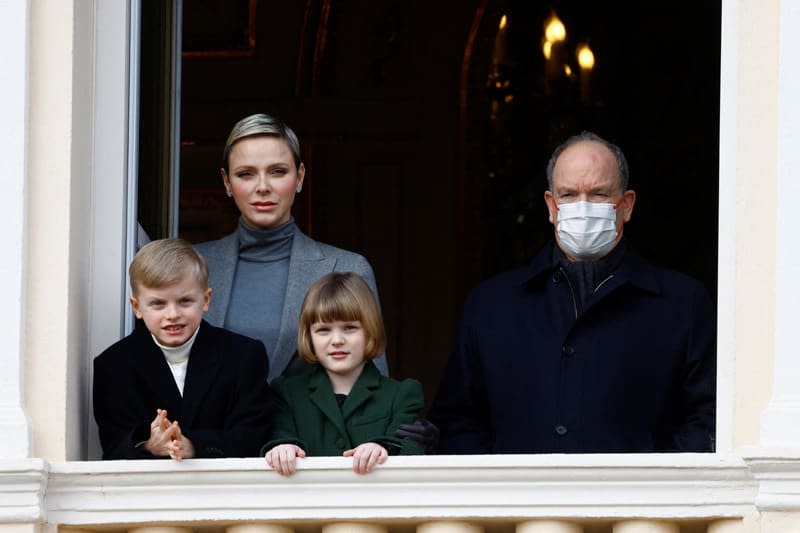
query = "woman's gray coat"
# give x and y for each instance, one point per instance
(309, 260)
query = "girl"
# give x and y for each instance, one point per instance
(344, 406)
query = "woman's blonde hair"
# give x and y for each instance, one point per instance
(261, 124)
(341, 296)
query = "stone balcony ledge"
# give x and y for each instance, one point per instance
(491, 487)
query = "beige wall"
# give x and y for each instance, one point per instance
(756, 185)
(780, 522)
(59, 135)
(26, 528)
(59, 217)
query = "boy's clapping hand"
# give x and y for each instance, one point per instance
(167, 439)
(161, 435)
(180, 447)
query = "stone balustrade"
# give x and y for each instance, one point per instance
(660, 493)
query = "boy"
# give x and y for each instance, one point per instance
(177, 386)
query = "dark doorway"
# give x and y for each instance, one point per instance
(427, 126)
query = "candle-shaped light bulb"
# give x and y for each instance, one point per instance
(554, 30)
(585, 57)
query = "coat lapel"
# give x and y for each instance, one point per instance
(200, 373)
(321, 394)
(154, 370)
(633, 271)
(223, 257)
(363, 389)
(307, 264)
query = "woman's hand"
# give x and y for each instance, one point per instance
(282, 458)
(366, 456)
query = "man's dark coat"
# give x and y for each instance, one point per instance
(634, 372)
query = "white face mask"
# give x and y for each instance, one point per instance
(586, 230)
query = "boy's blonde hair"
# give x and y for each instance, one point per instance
(161, 263)
(340, 296)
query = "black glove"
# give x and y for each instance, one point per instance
(421, 431)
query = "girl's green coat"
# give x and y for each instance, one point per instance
(311, 418)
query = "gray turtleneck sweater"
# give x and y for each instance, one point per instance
(259, 285)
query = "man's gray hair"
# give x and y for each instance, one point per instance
(622, 163)
(262, 124)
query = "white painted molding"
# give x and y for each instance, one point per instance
(726, 251)
(14, 425)
(777, 471)
(780, 422)
(22, 487)
(675, 486)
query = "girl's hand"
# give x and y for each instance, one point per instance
(282, 458)
(366, 456)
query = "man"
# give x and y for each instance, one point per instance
(590, 349)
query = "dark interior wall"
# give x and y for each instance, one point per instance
(436, 176)
(654, 92)
(378, 125)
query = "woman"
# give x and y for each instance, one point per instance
(261, 273)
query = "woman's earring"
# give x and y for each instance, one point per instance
(229, 193)
(300, 188)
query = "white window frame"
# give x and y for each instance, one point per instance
(114, 194)
(114, 171)
(726, 235)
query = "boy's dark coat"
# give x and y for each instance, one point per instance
(226, 409)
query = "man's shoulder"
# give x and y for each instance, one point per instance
(500, 285)
(674, 278)
(497, 296)
(669, 282)
(666, 272)
(516, 279)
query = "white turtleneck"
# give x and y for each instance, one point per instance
(178, 358)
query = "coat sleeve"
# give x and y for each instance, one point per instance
(249, 414)
(284, 429)
(461, 407)
(121, 422)
(408, 402)
(698, 406)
